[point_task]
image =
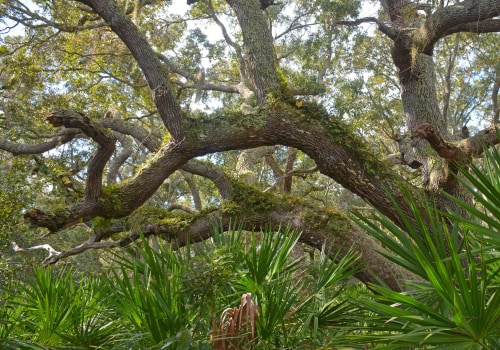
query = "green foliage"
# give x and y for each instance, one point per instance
(454, 302)
(15, 195)
(167, 299)
(213, 270)
(483, 183)
(149, 298)
(53, 309)
(268, 256)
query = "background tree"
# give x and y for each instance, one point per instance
(141, 97)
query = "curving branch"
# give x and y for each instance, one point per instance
(468, 16)
(141, 135)
(105, 140)
(409, 30)
(211, 172)
(21, 148)
(120, 129)
(337, 152)
(182, 208)
(223, 29)
(88, 245)
(461, 151)
(487, 26)
(65, 135)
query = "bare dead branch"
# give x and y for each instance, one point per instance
(52, 252)
(80, 249)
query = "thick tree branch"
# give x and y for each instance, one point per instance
(141, 135)
(464, 15)
(287, 181)
(462, 151)
(65, 135)
(196, 167)
(320, 229)
(259, 56)
(486, 26)
(273, 163)
(337, 152)
(182, 208)
(106, 141)
(494, 98)
(193, 188)
(206, 86)
(23, 148)
(155, 72)
(211, 172)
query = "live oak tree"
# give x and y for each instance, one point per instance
(127, 108)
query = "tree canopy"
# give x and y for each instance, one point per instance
(130, 118)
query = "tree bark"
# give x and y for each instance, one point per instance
(276, 119)
(320, 228)
(337, 152)
(154, 71)
(259, 57)
(412, 54)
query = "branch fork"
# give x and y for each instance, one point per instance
(426, 131)
(462, 151)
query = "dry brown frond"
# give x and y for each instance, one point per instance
(237, 329)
